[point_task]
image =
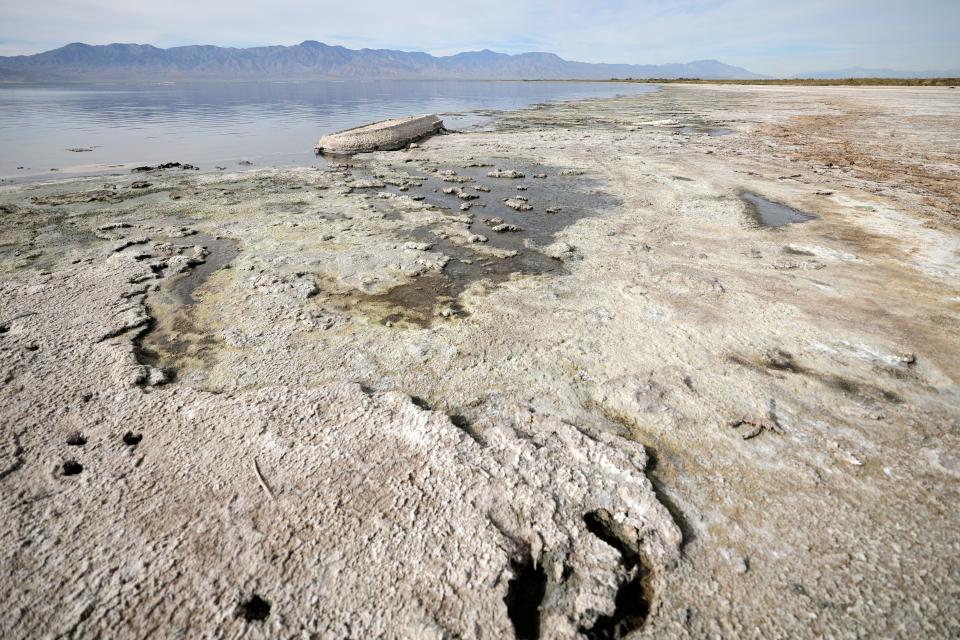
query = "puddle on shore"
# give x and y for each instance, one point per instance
(713, 132)
(768, 213)
(221, 252)
(174, 341)
(423, 301)
(435, 297)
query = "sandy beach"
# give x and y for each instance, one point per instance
(557, 378)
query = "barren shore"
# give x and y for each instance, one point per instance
(553, 379)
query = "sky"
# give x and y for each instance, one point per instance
(774, 37)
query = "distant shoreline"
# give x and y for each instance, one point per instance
(807, 82)
(802, 82)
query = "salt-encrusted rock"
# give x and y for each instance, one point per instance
(517, 204)
(560, 251)
(510, 173)
(367, 184)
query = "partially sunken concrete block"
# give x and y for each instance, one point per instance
(380, 136)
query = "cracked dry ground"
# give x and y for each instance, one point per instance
(375, 400)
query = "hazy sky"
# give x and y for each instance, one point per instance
(777, 37)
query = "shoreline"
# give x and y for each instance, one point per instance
(566, 356)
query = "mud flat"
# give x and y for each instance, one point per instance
(556, 379)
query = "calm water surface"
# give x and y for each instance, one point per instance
(269, 124)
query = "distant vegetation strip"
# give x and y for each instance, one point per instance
(838, 82)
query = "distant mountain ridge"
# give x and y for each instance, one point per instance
(312, 59)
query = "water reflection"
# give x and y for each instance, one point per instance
(270, 123)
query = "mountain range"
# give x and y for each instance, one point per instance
(311, 59)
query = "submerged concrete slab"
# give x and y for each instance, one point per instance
(380, 136)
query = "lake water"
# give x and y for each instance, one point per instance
(267, 123)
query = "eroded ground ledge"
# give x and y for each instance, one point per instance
(557, 379)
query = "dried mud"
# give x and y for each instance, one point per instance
(340, 401)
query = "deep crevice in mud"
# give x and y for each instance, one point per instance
(76, 439)
(631, 609)
(631, 429)
(255, 609)
(463, 423)
(634, 598)
(420, 402)
(525, 593)
(147, 356)
(72, 468)
(687, 534)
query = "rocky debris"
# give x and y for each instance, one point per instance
(75, 197)
(510, 173)
(553, 210)
(80, 149)
(140, 185)
(418, 246)
(517, 204)
(113, 226)
(572, 172)
(521, 187)
(803, 265)
(756, 426)
(506, 228)
(476, 237)
(245, 163)
(161, 167)
(464, 195)
(540, 176)
(291, 286)
(465, 206)
(481, 188)
(127, 242)
(560, 251)
(451, 176)
(316, 320)
(367, 184)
